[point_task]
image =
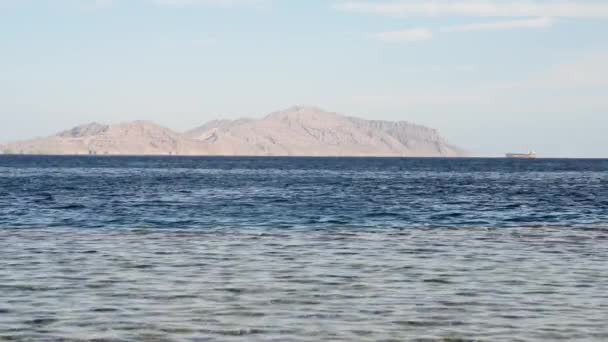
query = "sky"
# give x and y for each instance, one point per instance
(493, 76)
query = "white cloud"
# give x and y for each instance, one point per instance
(423, 34)
(409, 35)
(564, 88)
(536, 23)
(479, 8)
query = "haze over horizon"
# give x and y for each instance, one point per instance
(491, 76)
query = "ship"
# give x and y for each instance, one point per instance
(529, 155)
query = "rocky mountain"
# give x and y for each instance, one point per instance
(133, 138)
(296, 131)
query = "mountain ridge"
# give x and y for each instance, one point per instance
(295, 131)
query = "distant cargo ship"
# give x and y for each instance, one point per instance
(529, 155)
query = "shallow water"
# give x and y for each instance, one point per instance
(303, 249)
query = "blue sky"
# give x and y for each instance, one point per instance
(492, 76)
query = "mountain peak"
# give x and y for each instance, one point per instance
(141, 123)
(301, 113)
(300, 109)
(89, 129)
(304, 108)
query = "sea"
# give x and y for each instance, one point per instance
(303, 249)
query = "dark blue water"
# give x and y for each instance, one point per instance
(309, 193)
(276, 249)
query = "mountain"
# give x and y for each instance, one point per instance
(133, 138)
(296, 131)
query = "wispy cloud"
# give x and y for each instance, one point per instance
(536, 23)
(478, 8)
(424, 34)
(409, 35)
(586, 72)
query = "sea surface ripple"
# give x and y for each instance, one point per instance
(302, 249)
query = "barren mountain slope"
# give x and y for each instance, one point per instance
(296, 131)
(314, 132)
